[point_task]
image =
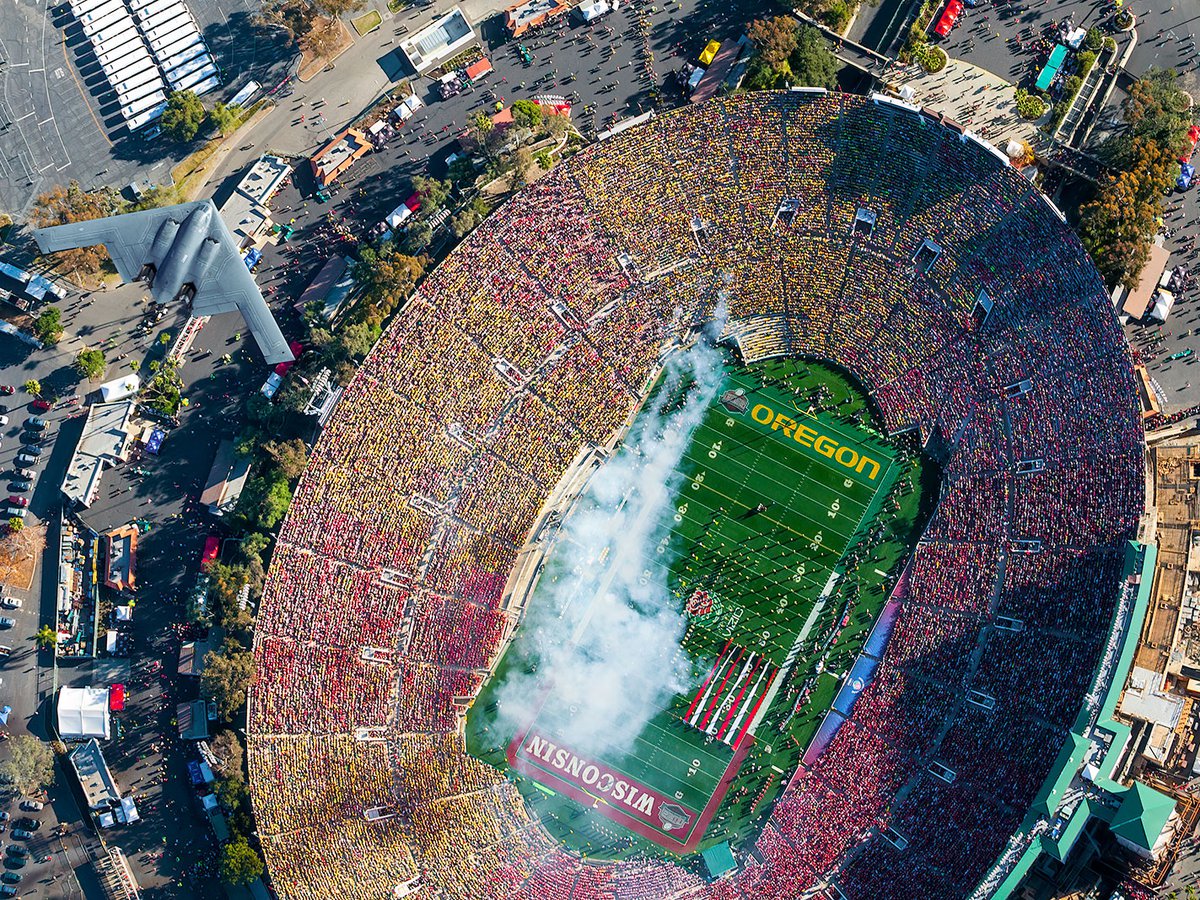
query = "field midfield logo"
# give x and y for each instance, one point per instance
(807, 436)
(735, 401)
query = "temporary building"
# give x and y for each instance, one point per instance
(120, 388)
(83, 713)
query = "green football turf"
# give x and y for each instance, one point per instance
(767, 527)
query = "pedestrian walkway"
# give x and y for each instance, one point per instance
(982, 102)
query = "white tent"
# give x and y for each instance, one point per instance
(120, 388)
(1162, 306)
(128, 812)
(83, 713)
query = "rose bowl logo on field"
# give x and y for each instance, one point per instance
(673, 816)
(735, 401)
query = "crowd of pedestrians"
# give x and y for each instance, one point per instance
(829, 226)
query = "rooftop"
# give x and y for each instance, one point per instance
(439, 40)
(105, 440)
(97, 782)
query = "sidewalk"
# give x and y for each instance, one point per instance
(975, 98)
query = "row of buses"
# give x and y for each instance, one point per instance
(147, 48)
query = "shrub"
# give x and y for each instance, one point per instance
(1086, 60)
(1093, 40)
(1029, 106)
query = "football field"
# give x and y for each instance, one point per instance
(769, 497)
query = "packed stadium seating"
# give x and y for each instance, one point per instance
(537, 337)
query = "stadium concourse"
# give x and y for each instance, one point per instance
(905, 252)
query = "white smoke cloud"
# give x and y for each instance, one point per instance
(603, 624)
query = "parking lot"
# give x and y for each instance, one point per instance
(57, 111)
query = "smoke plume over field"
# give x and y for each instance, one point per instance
(603, 625)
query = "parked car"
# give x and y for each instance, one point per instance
(11, 877)
(16, 512)
(11, 602)
(21, 834)
(7, 890)
(33, 438)
(3, 420)
(15, 862)
(18, 501)
(29, 823)
(32, 805)
(25, 459)
(25, 473)
(20, 485)
(7, 389)
(6, 622)
(16, 850)
(32, 450)
(36, 423)
(41, 404)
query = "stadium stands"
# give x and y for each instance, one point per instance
(537, 335)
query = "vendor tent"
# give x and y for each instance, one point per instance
(83, 713)
(120, 388)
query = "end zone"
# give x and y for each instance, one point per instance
(667, 821)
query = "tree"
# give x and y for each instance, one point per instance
(335, 8)
(433, 193)
(46, 638)
(264, 500)
(1117, 226)
(774, 38)
(1157, 109)
(30, 764)
(229, 754)
(463, 222)
(226, 678)
(526, 114)
(254, 546)
(62, 206)
(323, 38)
(48, 325)
(812, 63)
(183, 116)
(33, 386)
(389, 278)
(89, 362)
(163, 393)
(354, 341)
(543, 159)
(15, 524)
(239, 863)
(291, 456)
(224, 118)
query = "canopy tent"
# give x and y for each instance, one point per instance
(83, 713)
(120, 388)
(1046, 77)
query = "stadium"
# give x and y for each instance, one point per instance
(819, 283)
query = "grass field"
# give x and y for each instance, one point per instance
(765, 553)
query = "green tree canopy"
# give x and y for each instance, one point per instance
(1117, 226)
(183, 116)
(433, 193)
(389, 278)
(33, 386)
(290, 456)
(46, 637)
(812, 62)
(48, 326)
(239, 863)
(526, 114)
(89, 362)
(226, 679)
(29, 765)
(224, 118)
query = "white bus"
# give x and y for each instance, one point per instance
(122, 70)
(134, 96)
(205, 86)
(188, 82)
(107, 38)
(145, 118)
(165, 27)
(83, 6)
(135, 85)
(164, 18)
(154, 7)
(195, 57)
(118, 18)
(129, 110)
(113, 52)
(99, 12)
(197, 64)
(186, 43)
(166, 40)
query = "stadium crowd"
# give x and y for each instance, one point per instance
(822, 225)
